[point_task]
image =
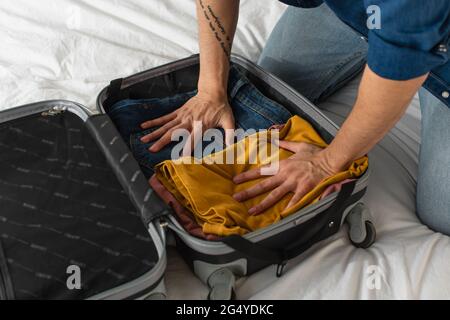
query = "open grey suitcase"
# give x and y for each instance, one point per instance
(74, 202)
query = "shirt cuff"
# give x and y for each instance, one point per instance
(394, 62)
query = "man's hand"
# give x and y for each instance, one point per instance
(212, 112)
(297, 175)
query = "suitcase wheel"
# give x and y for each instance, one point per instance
(221, 284)
(362, 232)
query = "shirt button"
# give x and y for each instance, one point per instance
(442, 48)
(445, 94)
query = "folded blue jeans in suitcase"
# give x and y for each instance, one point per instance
(251, 109)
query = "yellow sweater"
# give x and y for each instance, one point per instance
(207, 189)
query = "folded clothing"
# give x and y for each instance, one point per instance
(206, 189)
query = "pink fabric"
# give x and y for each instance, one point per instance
(278, 127)
(184, 217)
(334, 188)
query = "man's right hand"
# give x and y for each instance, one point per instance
(212, 112)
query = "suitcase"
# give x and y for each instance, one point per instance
(78, 219)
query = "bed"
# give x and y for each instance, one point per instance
(67, 49)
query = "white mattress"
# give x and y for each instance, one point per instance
(62, 49)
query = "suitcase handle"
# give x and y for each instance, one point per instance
(320, 228)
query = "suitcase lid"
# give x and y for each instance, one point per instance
(72, 196)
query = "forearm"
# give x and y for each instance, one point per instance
(217, 25)
(379, 106)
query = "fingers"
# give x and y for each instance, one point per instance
(299, 148)
(260, 188)
(194, 138)
(298, 195)
(164, 140)
(295, 199)
(247, 176)
(275, 196)
(158, 133)
(228, 124)
(289, 145)
(159, 121)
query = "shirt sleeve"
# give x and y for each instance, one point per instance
(412, 38)
(303, 3)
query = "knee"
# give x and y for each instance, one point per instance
(433, 183)
(433, 208)
(434, 222)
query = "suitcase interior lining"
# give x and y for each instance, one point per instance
(62, 205)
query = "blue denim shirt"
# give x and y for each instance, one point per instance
(413, 38)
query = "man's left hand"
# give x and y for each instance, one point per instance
(297, 175)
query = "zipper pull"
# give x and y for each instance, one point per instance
(54, 111)
(164, 224)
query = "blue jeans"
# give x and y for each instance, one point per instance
(251, 109)
(317, 54)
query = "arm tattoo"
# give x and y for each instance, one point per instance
(216, 26)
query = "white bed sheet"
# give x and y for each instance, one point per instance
(63, 49)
